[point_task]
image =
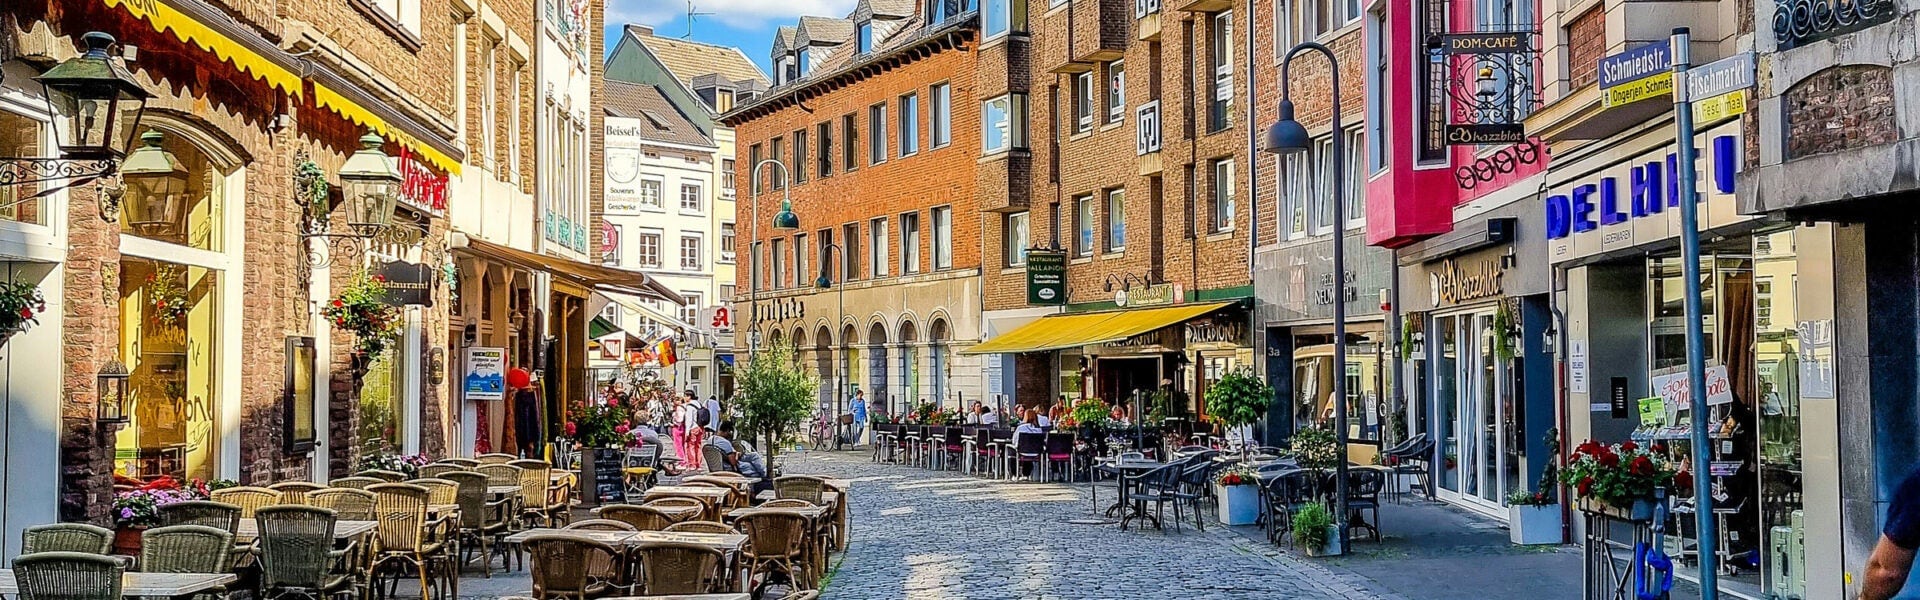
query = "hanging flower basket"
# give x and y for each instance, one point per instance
(20, 307)
(362, 309)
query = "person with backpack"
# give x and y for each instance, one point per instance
(713, 415)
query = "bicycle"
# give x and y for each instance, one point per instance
(821, 430)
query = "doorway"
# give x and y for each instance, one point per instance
(1474, 397)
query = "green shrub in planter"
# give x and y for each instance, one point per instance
(1311, 525)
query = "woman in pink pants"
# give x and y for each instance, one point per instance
(679, 433)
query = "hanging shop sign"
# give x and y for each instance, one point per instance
(1451, 284)
(1046, 277)
(1489, 78)
(717, 319)
(1627, 202)
(1218, 328)
(486, 374)
(408, 283)
(1642, 73)
(1152, 295)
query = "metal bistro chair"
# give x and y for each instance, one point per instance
(1158, 486)
(1414, 460)
(1363, 494)
(1001, 442)
(1030, 448)
(678, 568)
(880, 435)
(295, 492)
(563, 566)
(640, 469)
(1193, 484)
(248, 498)
(976, 451)
(298, 557)
(66, 537)
(1285, 494)
(1059, 447)
(910, 443)
(68, 576)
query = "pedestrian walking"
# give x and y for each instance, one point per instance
(696, 433)
(1892, 560)
(677, 425)
(713, 415)
(859, 422)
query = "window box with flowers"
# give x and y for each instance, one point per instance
(137, 509)
(20, 307)
(362, 309)
(1620, 480)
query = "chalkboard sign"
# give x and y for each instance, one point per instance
(607, 474)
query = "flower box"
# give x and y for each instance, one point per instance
(1237, 504)
(127, 539)
(1529, 525)
(1641, 510)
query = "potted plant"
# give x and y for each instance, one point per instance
(1533, 517)
(20, 307)
(362, 309)
(408, 464)
(1619, 480)
(776, 395)
(1089, 416)
(1237, 401)
(136, 510)
(1314, 531)
(1237, 489)
(1316, 448)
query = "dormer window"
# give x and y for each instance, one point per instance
(805, 65)
(865, 35)
(783, 71)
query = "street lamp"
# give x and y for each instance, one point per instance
(96, 104)
(824, 282)
(784, 220)
(1286, 137)
(159, 185)
(370, 187)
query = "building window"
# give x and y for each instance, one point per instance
(942, 237)
(1297, 181)
(690, 312)
(909, 243)
(1004, 123)
(864, 34)
(850, 246)
(727, 291)
(1001, 15)
(779, 279)
(877, 134)
(1221, 49)
(1116, 220)
(1014, 239)
(753, 163)
(404, 14)
(1321, 203)
(726, 242)
(1083, 102)
(646, 247)
(1083, 225)
(940, 114)
(909, 124)
(726, 177)
(692, 198)
(1116, 91)
(877, 232)
(801, 276)
(783, 70)
(825, 132)
(778, 177)
(690, 252)
(650, 192)
(489, 105)
(1222, 185)
(1353, 179)
(800, 156)
(803, 65)
(849, 143)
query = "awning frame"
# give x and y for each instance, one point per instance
(589, 276)
(1073, 330)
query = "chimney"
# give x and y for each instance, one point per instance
(643, 30)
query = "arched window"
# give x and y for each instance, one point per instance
(910, 365)
(877, 366)
(937, 353)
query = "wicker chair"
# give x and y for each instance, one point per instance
(703, 527)
(714, 460)
(677, 502)
(383, 475)
(678, 568)
(218, 515)
(734, 498)
(358, 483)
(188, 549)
(66, 537)
(801, 487)
(295, 492)
(297, 554)
(408, 539)
(347, 504)
(437, 470)
(500, 474)
(439, 491)
(248, 498)
(534, 496)
(68, 576)
(642, 518)
(496, 458)
(563, 566)
(776, 541)
(482, 521)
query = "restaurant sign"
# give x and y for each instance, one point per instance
(1046, 277)
(1451, 284)
(407, 283)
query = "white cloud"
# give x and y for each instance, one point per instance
(745, 14)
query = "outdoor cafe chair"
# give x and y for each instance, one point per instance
(347, 504)
(1158, 487)
(496, 458)
(461, 461)
(601, 525)
(66, 537)
(384, 475)
(1195, 483)
(642, 518)
(1283, 495)
(218, 515)
(1117, 476)
(295, 492)
(435, 470)
(248, 498)
(1059, 448)
(1030, 448)
(640, 468)
(298, 557)
(1415, 461)
(801, 487)
(678, 568)
(538, 492)
(1363, 494)
(776, 544)
(355, 482)
(702, 527)
(187, 549)
(571, 566)
(483, 520)
(408, 539)
(714, 460)
(68, 576)
(733, 499)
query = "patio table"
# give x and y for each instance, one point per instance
(135, 584)
(250, 529)
(1128, 469)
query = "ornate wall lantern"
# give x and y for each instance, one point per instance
(112, 382)
(159, 187)
(97, 106)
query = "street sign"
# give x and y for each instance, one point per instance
(1046, 277)
(1724, 106)
(1720, 77)
(1638, 74)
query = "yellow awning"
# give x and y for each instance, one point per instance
(331, 100)
(163, 18)
(1055, 332)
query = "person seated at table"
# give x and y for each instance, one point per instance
(1041, 419)
(1029, 425)
(745, 463)
(973, 413)
(988, 417)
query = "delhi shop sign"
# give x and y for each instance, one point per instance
(1647, 186)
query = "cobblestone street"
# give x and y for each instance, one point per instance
(924, 534)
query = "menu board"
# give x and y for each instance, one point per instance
(608, 476)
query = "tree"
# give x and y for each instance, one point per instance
(776, 397)
(1239, 399)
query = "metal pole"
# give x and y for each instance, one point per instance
(1696, 338)
(1338, 159)
(753, 252)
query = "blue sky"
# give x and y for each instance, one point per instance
(746, 24)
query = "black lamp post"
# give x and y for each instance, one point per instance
(96, 104)
(1286, 137)
(824, 282)
(785, 220)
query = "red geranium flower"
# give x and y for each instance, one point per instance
(1683, 481)
(1641, 466)
(1586, 486)
(26, 313)
(571, 429)
(1609, 459)
(1629, 446)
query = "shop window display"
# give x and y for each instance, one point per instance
(21, 136)
(383, 414)
(1313, 373)
(169, 324)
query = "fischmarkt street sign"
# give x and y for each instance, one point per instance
(1720, 77)
(1046, 277)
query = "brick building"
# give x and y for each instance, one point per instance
(1139, 184)
(878, 119)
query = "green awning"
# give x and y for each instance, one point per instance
(600, 327)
